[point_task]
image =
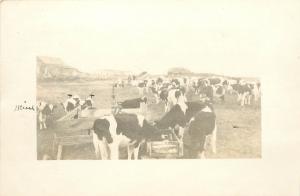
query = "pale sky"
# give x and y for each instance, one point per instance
(219, 37)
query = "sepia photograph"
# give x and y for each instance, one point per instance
(202, 94)
(119, 114)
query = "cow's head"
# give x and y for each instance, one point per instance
(151, 132)
(101, 129)
(172, 118)
(52, 107)
(144, 99)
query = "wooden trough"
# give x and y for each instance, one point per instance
(60, 142)
(169, 148)
(71, 133)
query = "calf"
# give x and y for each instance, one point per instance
(110, 131)
(44, 110)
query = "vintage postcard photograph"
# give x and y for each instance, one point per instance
(149, 97)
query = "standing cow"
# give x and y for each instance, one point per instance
(43, 111)
(110, 131)
(191, 124)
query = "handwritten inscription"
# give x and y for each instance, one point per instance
(24, 106)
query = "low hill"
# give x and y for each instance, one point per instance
(54, 69)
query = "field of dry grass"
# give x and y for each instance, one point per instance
(239, 128)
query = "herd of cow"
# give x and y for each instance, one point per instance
(193, 122)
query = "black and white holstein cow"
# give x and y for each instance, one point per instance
(136, 103)
(192, 125)
(244, 92)
(209, 91)
(71, 103)
(120, 83)
(87, 103)
(109, 131)
(44, 110)
(175, 96)
(142, 86)
(133, 103)
(74, 101)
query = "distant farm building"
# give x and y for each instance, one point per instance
(179, 71)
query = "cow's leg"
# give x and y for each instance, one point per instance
(114, 150)
(44, 122)
(136, 152)
(202, 155)
(129, 151)
(238, 97)
(246, 99)
(96, 145)
(242, 99)
(214, 140)
(156, 99)
(40, 119)
(181, 132)
(59, 152)
(166, 107)
(249, 99)
(103, 149)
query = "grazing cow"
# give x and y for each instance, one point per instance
(133, 103)
(244, 93)
(87, 103)
(159, 80)
(119, 83)
(208, 91)
(175, 96)
(71, 103)
(199, 84)
(142, 87)
(255, 90)
(215, 81)
(44, 110)
(219, 92)
(205, 90)
(137, 103)
(175, 83)
(160, 91)
(110, 131)
(191, 117)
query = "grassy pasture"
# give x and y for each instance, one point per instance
(239, 128)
